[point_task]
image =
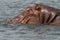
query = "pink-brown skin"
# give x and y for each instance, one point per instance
(39, 14)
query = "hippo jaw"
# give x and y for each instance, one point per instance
(14, 20)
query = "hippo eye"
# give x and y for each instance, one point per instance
(38, 8)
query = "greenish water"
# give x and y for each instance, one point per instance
(11, 8)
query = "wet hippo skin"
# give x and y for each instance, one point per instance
(38, 14)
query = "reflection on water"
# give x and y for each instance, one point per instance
(9, 9)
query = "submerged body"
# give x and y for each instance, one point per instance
(39, 14)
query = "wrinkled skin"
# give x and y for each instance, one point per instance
(39, 14)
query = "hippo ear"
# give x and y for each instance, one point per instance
(37, 6)
(38, 3)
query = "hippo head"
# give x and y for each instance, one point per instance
(38, 14)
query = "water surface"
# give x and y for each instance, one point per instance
(11, 8)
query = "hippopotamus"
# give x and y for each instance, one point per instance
(38, 14)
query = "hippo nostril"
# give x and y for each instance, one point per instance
(28, 9)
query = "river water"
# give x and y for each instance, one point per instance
(11, 8)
